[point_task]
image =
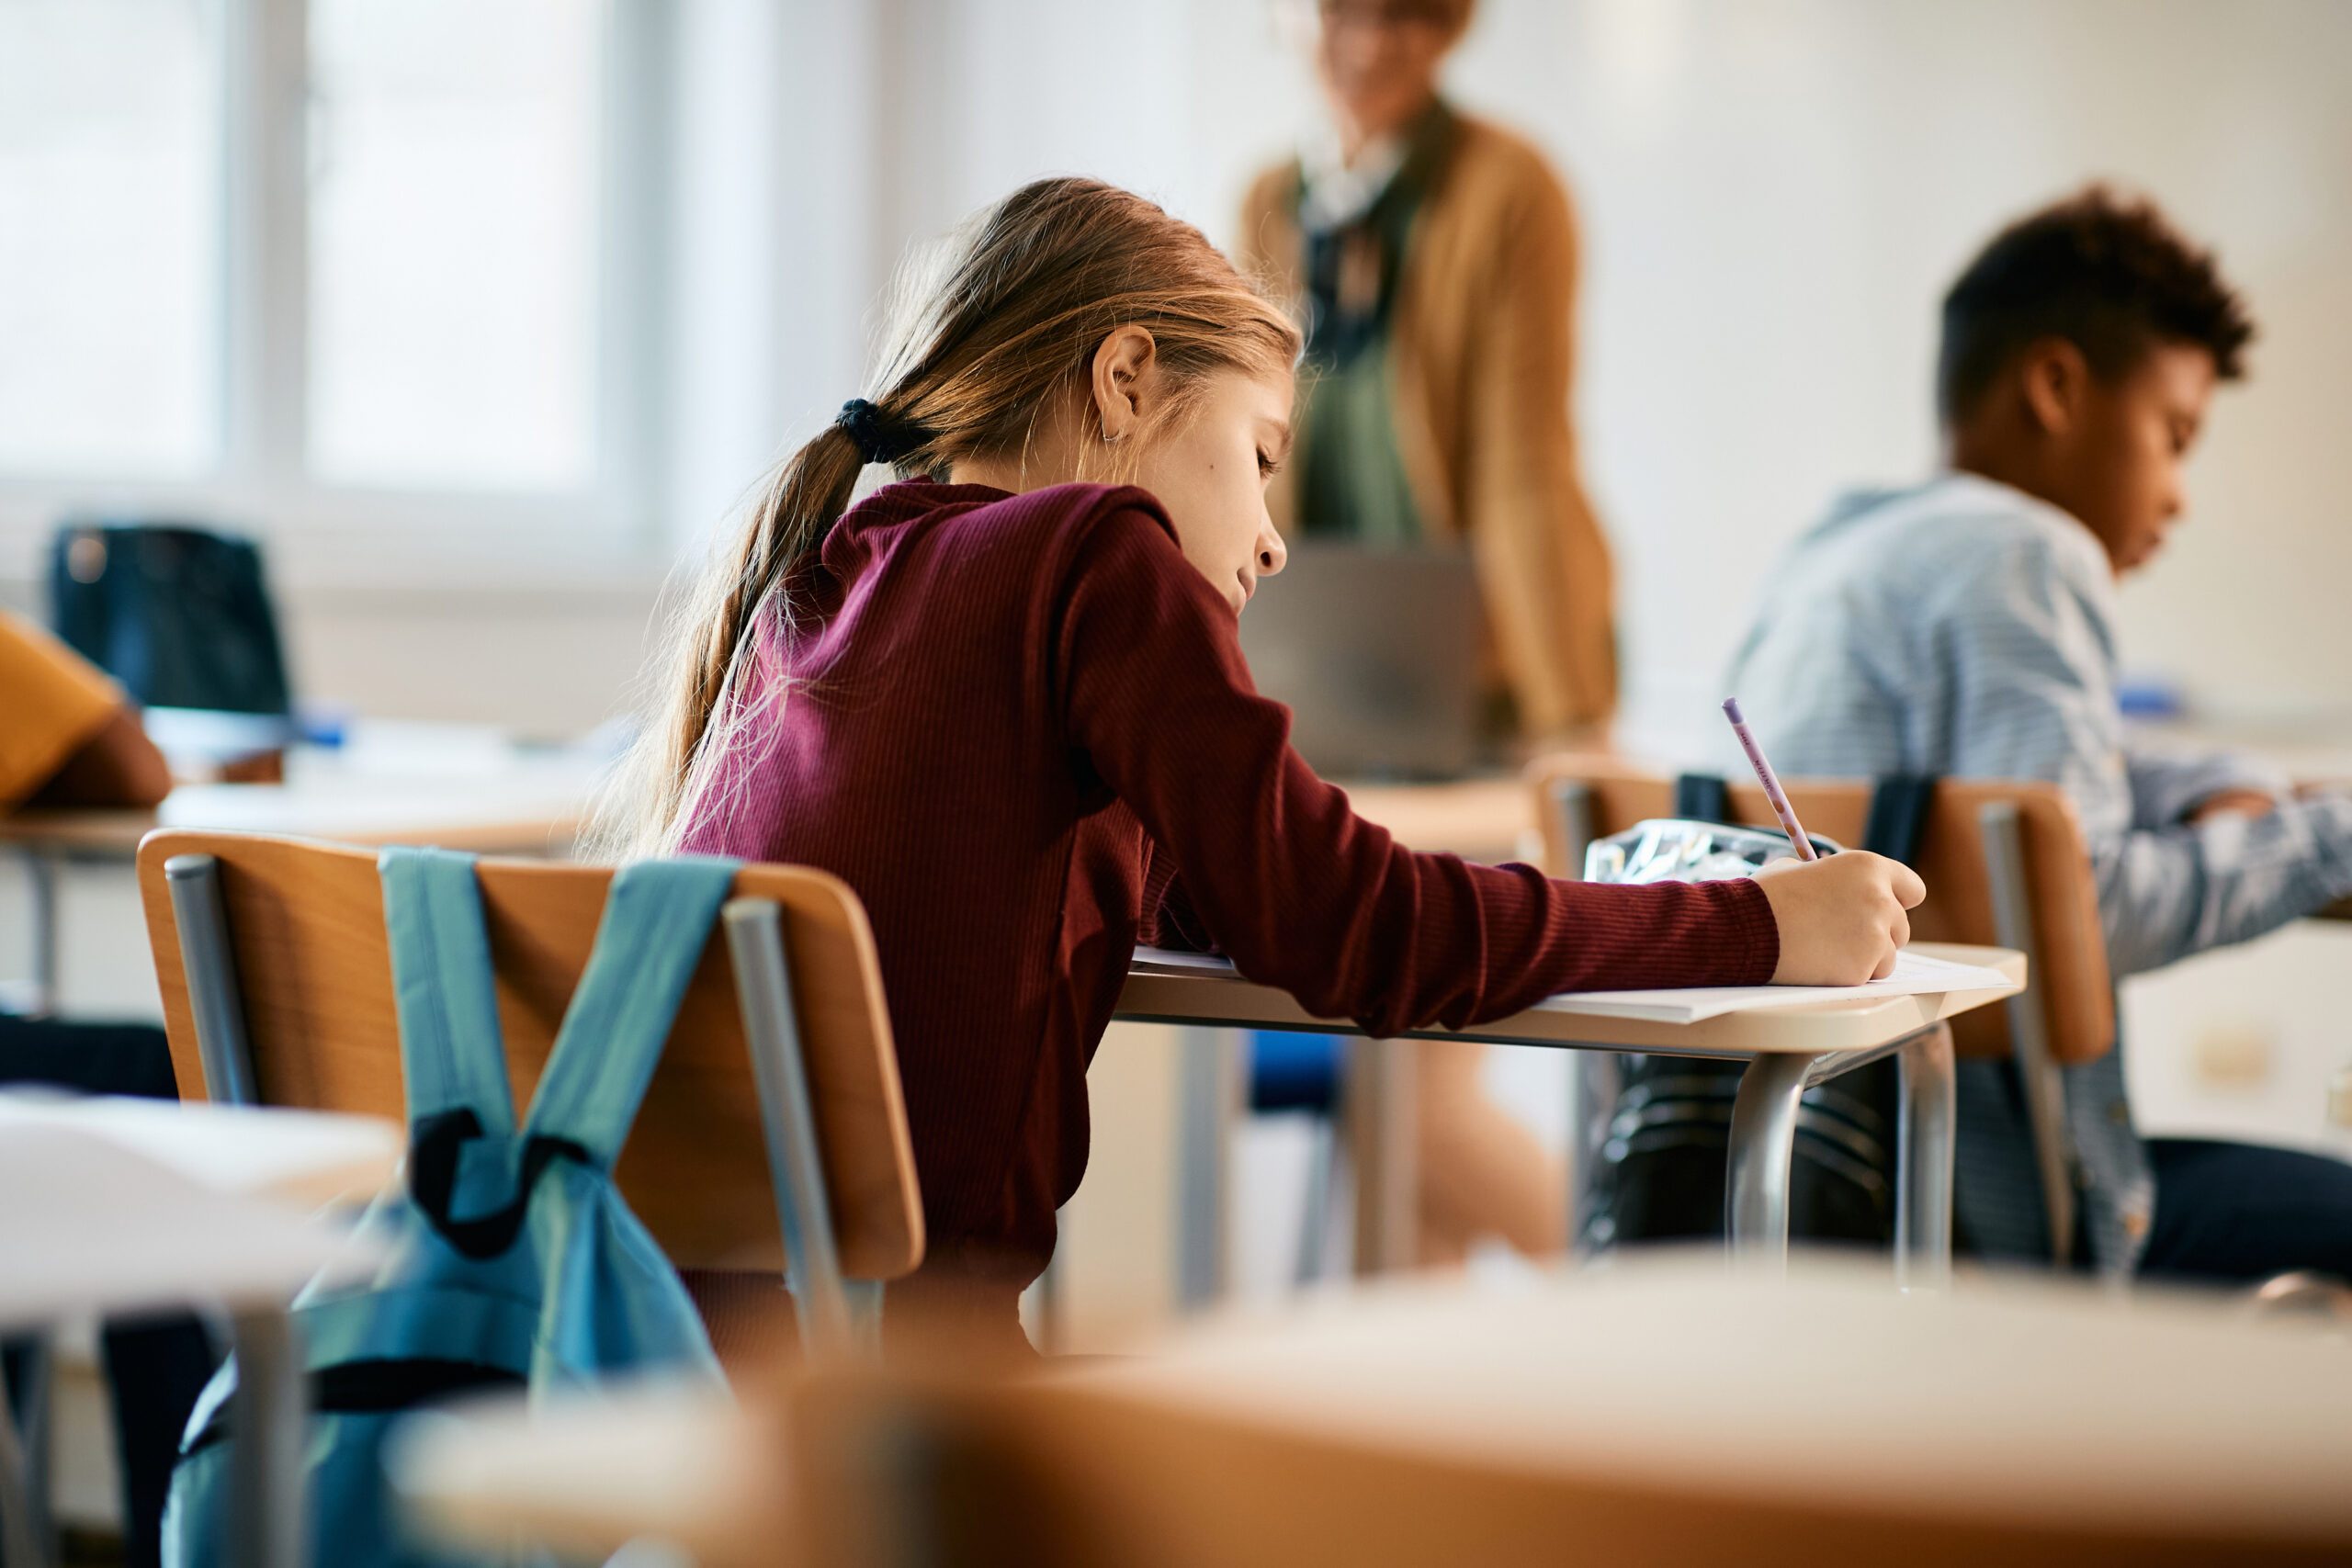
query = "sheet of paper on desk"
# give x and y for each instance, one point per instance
(1915, 974)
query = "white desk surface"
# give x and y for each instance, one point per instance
(1862, 1025)
(87, 1224)
(2004, 1401)
(462, 787)
(297, 1157)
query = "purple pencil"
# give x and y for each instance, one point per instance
(1771, 781)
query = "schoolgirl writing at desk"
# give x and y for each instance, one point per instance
(1004, 701)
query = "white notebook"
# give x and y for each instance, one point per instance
(1915, 974)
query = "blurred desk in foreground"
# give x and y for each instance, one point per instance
(126, 1206)
(1656, 1413)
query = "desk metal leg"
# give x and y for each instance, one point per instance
(40, 875)
(1209, 1080)
(268, 1514)
(1924, 1138)
(1384, 1139)
(1763, 1145)
(1315, 1224)
(25, 1536)
(1594, 1077)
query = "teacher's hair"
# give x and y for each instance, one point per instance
(986, 331)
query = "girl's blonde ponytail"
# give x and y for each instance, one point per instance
(990, 327)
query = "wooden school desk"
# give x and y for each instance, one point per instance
(114, 1205)
(1654, 1413)
(1788, 1049)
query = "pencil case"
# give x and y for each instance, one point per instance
(1675, 848)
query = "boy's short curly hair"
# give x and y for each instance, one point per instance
(2109, 275)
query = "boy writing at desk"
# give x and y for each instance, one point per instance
(1965, 627)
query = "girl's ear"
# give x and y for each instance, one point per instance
(1124, 381)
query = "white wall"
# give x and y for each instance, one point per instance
(1774, 194)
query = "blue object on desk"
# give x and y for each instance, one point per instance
(1294, 1072)
(326, 725)
(2150, 697)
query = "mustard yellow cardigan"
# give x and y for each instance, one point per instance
(1483, 350)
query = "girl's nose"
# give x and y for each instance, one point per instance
(1271, 554)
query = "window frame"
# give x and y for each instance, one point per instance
(260, 481)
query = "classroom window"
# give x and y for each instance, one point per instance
(363, 266)
(454, 214)
(110, 239)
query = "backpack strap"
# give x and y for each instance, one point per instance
(453, 1053)
(1702, 797)
(657, 918)
(1899, 807)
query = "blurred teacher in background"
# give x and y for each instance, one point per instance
(1436, 257)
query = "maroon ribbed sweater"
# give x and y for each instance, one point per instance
(1021, 728)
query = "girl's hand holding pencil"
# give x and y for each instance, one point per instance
(1842, 920)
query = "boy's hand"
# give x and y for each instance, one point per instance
(2233, 802)
(1841, 918)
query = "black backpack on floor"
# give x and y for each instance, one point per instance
(1658, 1127)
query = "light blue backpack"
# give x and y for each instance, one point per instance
(510, 1257)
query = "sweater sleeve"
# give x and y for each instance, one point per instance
(1296, 889)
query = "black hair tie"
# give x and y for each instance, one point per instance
(880, 438)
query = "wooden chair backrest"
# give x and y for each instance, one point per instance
(306, 924)
(2077, 998)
